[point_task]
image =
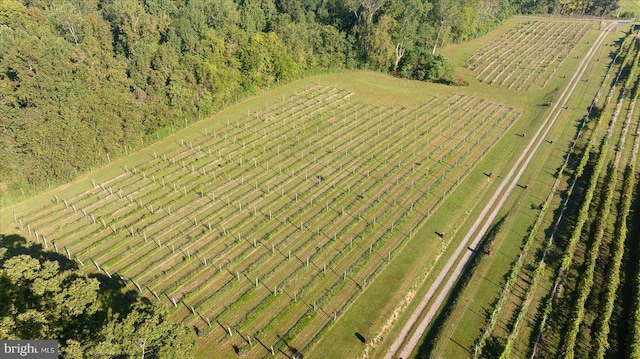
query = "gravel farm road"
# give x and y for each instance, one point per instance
(484, 220)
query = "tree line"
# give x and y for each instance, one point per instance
(80, 79)
(569, 7)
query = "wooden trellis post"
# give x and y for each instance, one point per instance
(96, 264)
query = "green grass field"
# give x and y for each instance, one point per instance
(632, 6)
(306, 218)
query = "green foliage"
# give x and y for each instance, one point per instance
(80, 80)
(512, 278)
(419, 64)
(522, 311)
(146, 328)
(587, 277)
(620, 236)
(634, 341)
(603, 325)
(567, 7)
(46, 298)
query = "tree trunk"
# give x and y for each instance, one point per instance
(433, 52)
(399, 55)
(72, 30)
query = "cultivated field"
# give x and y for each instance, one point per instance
(528, 55)
(569, 290)
(261, 230)
(264, 227)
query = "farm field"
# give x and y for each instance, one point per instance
(294, 222)
(542, 47)
(557, 287)
(458, 217)
(260, 231)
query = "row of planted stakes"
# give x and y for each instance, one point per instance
(269, 225)
(541, 47)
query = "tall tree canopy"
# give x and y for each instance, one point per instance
(80, 79)
(44, 298)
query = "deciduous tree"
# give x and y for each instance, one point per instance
(45, 298)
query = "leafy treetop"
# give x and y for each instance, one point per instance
(88, 315)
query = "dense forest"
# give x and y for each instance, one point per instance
(80, 79)
(568, 7)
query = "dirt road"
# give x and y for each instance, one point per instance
(484, 220)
